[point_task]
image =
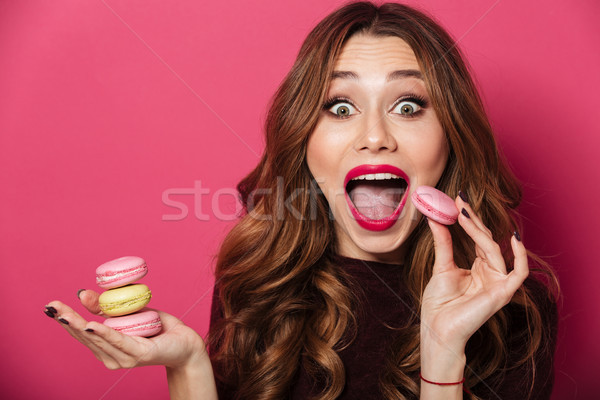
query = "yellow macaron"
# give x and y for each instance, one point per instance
(124, 300)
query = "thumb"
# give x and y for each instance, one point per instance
(442, 242)
(89, 299)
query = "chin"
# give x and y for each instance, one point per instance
(382, 250)
(386, 245)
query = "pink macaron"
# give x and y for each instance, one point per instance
(435, 205)
(120, 272)
(144, 323)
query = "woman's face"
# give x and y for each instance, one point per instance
(376, 140)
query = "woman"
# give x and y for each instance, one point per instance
(332, 285)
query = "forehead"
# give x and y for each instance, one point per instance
(364, 52)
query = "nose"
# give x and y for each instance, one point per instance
(376, 135)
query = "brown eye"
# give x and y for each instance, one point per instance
(342, 109)
(407, 108)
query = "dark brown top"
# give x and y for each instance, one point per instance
(386, 304)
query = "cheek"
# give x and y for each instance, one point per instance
(324, 155)
(436, 154)
(317, 161)
(321, 149)
(430, 153)
(314, 154)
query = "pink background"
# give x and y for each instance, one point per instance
(106, 106)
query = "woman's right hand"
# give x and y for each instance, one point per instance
(178, 347)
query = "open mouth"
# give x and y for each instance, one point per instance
(376, 195)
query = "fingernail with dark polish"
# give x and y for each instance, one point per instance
(517, 236)
(64, 321)
(79, 292)
(49, 313)
(463, 196)
(51, 309)
(465, 213)
(89, 330)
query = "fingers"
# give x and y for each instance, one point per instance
(116, 339)
(89, 299)
(75, 325)
(442, 241)
(467, 211)
(485, 246)
(66, 315)
(462, 203)
(487, 249)
(521, 266)
(112, 348)
(124, 351)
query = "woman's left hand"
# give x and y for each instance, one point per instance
(458, 301)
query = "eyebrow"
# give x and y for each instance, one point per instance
(399, 74)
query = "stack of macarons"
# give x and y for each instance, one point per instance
(124, 298)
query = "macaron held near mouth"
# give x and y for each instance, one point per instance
(376, 195)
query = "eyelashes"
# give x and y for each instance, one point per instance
(408, 106)
(343, 107)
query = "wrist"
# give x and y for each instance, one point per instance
(434, 390)
(442, 371)
(441, 362)
(193, 352)
(192, 380)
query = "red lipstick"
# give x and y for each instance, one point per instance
(369, 172)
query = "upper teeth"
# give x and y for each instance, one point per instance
(376, 177)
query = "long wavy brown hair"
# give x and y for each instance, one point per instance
(285, 302)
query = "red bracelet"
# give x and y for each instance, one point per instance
(443, 383)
